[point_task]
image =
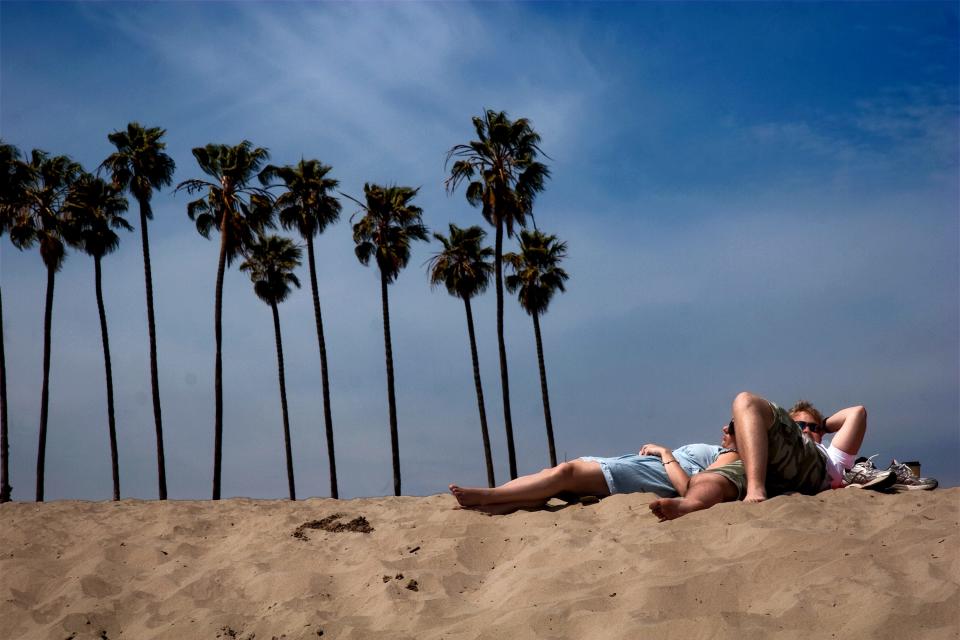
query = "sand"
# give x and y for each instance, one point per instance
(845, 564)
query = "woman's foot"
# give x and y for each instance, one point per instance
(673, 508)
(469, 496)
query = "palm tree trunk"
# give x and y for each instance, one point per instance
(45, 390)
(543, 391)
(5, 488)
(283, 403)
(504, 378)
(391, 397)
(152, 330)
(328, 421)
(218, 366)
(111, 424)
(476, 381)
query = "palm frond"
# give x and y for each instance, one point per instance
(536, 275)
(93, 209)
(504, 158)
(270, 261)
(390, 222)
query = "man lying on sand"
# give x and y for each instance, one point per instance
(781, 452)
(656, 469)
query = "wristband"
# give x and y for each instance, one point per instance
(668, 462)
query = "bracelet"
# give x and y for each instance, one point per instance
(668, 462)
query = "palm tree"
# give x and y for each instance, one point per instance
(463, 267)
(139, 165)
(536, 277)
(94, 209)
(308, 207)
(239, 212)
(389, 224)
(503, 177)
(12, 182)
(271, 261)
(38, 219)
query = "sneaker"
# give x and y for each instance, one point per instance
(906, 481)
(866, 476)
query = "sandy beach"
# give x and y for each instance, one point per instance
(845, 564)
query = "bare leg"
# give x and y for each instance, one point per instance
(753, 418)
(705, 490)
(579, 476)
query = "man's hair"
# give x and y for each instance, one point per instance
(807, 407)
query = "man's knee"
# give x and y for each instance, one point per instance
(746, 400)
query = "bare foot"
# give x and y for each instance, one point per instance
(469, 497)
(673, 508)
(755, 495)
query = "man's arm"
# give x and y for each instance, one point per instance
(849, 425)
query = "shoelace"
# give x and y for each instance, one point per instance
(865, 466)
(904, 473)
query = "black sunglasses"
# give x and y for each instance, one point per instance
(730, 429)
(812, 426)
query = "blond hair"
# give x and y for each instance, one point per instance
(806, 407)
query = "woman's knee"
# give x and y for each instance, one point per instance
(565, 470)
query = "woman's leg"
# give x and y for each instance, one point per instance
(579, 476)
(705, 490)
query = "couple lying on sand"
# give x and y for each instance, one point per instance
(764, 451)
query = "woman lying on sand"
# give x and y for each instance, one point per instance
(656, 469)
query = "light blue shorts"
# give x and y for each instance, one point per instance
(633, 473)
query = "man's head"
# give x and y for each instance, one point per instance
(809, 418)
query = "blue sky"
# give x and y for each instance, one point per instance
(755, 196)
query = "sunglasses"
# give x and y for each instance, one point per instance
(812, 426)
(730, 429)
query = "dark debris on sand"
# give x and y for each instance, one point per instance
(333, 525)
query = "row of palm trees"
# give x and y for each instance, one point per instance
(51, 202)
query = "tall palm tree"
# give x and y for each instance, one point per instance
(139, 165)
(270, 260)
(239, 212)
(463, 267)
(94, 209)
(308, 206)
(389, 224)
(12, 182)
(503, 177)
(536, 277)
(38, 220)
